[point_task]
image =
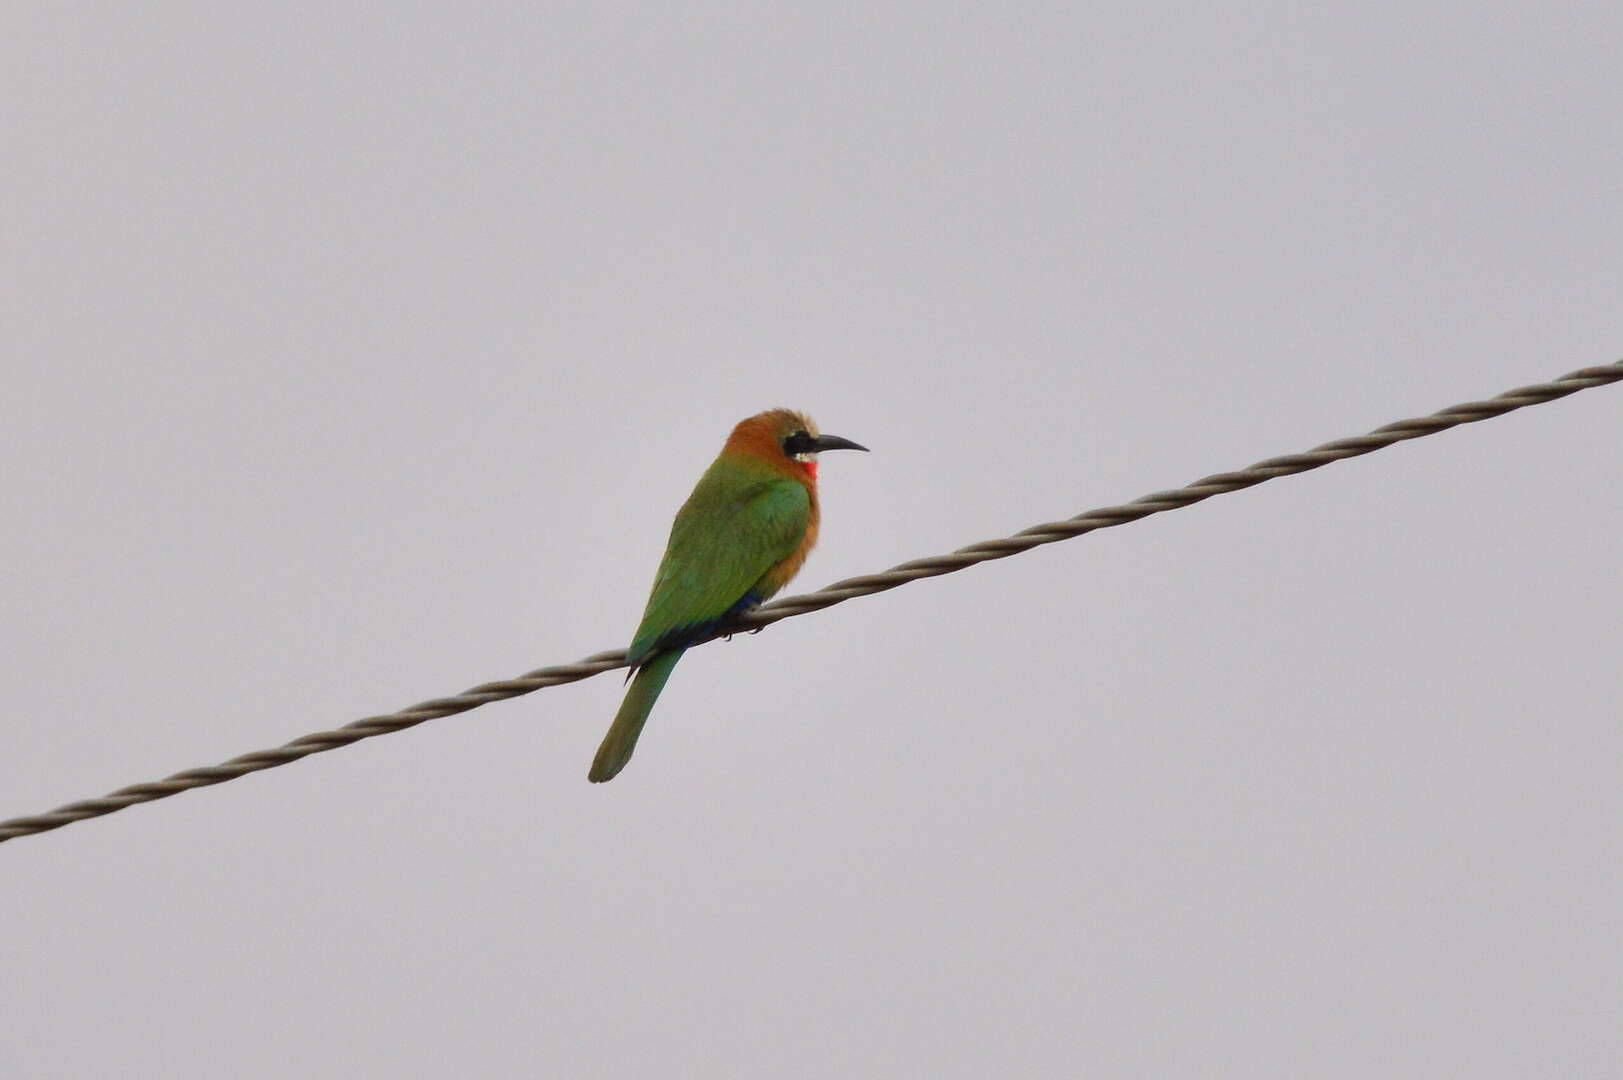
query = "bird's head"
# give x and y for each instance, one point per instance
(786, 438)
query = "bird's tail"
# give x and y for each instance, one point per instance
(622, 737)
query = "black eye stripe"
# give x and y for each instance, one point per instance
(799, 443)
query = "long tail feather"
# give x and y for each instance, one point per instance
(622, 737)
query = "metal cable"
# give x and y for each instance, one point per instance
(837, 593)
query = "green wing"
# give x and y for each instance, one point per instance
(729, 533)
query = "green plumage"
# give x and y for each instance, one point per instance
(736, 541)
(639, 702)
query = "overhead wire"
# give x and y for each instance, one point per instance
(837, 593)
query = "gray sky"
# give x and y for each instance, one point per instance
(353, 357)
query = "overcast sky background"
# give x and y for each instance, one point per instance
(358, 355)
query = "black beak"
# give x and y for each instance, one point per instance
(834, 442)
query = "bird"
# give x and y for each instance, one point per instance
(743, 533)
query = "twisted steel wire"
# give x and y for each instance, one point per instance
(839, 592)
